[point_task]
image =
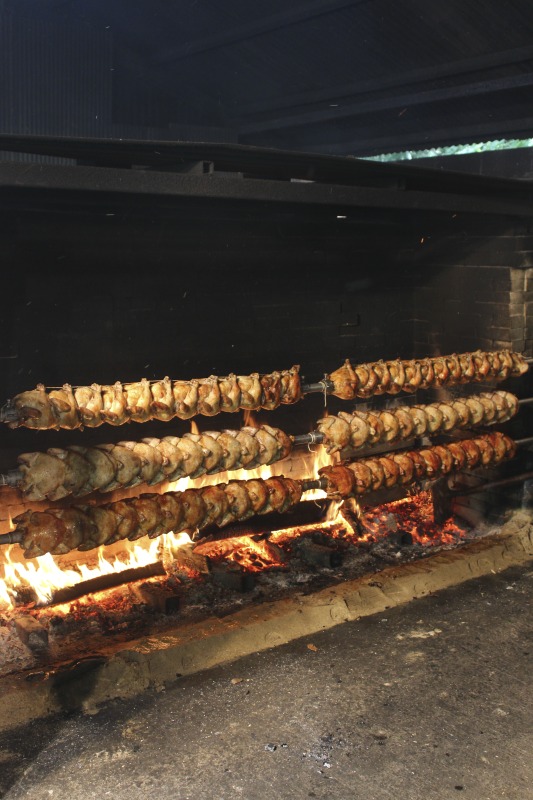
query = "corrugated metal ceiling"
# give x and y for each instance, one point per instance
(258, 67)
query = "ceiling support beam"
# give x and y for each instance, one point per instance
(392, 102)
(104, 185)
(258, 27)
(462, 66)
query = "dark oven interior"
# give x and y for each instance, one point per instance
(110, 285)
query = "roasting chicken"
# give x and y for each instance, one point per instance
(392, 377)
(139, 402)
(360, 429)
(58, 531)
(209, 397)
(90, 404)
(402, 468)
(185, 394)
(115, 410)
(230, 394)
(162, 400)
(79, 470)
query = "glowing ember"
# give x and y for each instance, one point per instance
(252, 555)
(256, 555)
(41, 577)
(36, 580)
(414, 516)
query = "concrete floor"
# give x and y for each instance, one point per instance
(430, 700)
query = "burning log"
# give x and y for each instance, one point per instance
(307, 512)
(107, 581)
(31, 632)
(442, 501)
(161, 598)
(75, 407)
(60, 530)
(185, 559)
(404, 468)
(392, 377)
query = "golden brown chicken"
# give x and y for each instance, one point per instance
(363, 428)
(80, 470)
(144, 400)
(402, 468)
(60, 530)
(392, 377)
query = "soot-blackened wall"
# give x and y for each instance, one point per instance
(131, 288)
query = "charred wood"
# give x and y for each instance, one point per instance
(318, 555)
(103, 582)
(232, 576)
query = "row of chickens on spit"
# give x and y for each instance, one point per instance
(116, 404)
(76, 470)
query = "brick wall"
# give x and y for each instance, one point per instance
(466, 307)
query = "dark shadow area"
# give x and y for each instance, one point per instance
(20, 747)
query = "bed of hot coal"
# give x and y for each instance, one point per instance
(215, 578)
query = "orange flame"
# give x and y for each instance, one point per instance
(250, 420)
(39, 578)
(414, 516)
(253, 555)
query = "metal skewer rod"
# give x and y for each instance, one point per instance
(12, 478)
(13, 537)
(525, 401)
(526, 440)
(320, 483)
(322, 386)
(524, 476)
(315, 437)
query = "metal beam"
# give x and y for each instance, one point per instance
(110, 183)
(258, 27)
(274, 164)
(392, 102)
(390, 81)
(522, 127)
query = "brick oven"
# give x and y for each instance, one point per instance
(362, 330)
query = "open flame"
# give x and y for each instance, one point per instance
(36, 580)
(43, 576)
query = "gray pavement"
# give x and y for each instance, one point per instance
(428, 700)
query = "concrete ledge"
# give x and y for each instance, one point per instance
(154, 662)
